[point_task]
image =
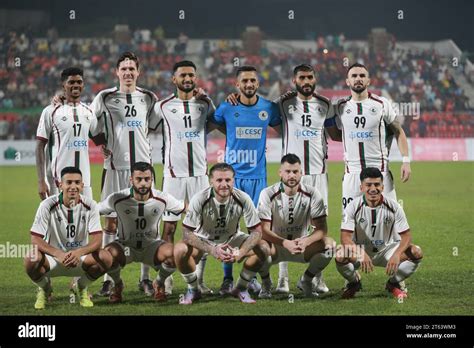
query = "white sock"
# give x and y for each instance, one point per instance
(244, 279)
(283, 270)
(405, 269)
(317, 263)
(348, 271)
(144, 272)
(200, 268)
(191, 280)
(107, 239)
(164, 272)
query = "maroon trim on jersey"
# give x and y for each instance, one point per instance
(88, 108)
(371, 96)
(304, 192)
(36, 234)
(59, 140)
(275, 195)
(380, 143)
(407, 230)
(322, 98)
(104, 97)
(120, 200)
(102, 182)
(344, 230)
(41, 138)
(252, 227)
(85, 205)
(343, 133)
(189, 227)
(95, 232)
(237, 200)
(169, 132)
(161, 200)
(389, 207)
(358, 209)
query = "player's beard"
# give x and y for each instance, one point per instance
(142, 191)
(187, 89)
(291, 183)
(304, 92)
(249, 94)
(358, 88)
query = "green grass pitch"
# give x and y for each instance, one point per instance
(439, 204)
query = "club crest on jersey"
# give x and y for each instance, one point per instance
(348, 111)
(200, 109)
(117, 100)
(83, 218)
(236, 114)
(128, 211)
(174, 111)
(64, 118)
(142, 101)
(362, 220)
(211, 212)
(387, 220)
(263, 115)
(373, 111)
(155, 211)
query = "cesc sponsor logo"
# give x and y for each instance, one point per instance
(248, 132)
(192, 135)
(132, 124)
(364, 135)
(306, 133)
(77, 144)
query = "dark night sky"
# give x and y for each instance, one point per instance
(424, 20)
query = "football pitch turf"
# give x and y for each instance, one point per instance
(439, 204)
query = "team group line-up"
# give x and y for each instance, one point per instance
(286, 221)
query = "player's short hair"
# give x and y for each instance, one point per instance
(370, 172)
(303, 67)
(183, 63)
(245, 68)
(222, 167)
(356, 65)
(290, 158)
(70, 170)
(142, 167)
(130, 56)
(71, 71)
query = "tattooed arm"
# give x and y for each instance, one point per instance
(254, 237)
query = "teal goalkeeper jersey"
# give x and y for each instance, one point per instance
(246, 135)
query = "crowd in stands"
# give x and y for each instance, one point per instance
(30, 69)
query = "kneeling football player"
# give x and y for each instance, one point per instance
(288, 210)
(211, 226)
(67, 236)
(139, 210)
(375, 232)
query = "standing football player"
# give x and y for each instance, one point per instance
(246, 136)
(185, 121)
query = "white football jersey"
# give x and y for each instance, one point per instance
(290, 216)
(303, 131)
(216, 221)
(66, 128)
(374, 227)
(363, 132)
(184, 135)
(138, 222)
(66, 228)
(125, 120)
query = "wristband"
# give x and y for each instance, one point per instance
(406, 159)
(330, 122)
